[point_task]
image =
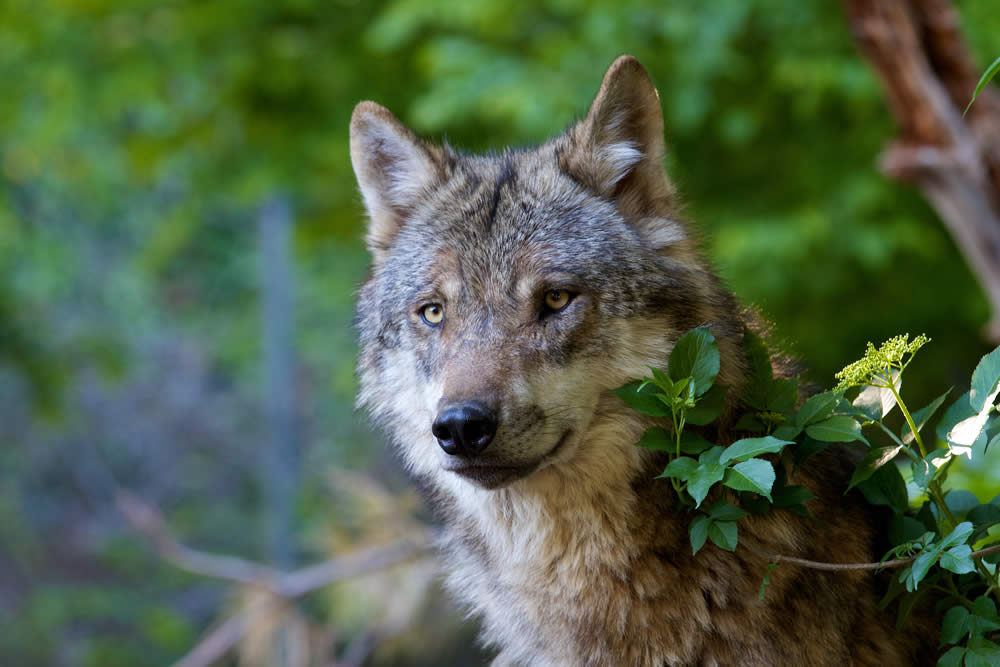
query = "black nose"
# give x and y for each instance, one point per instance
(464, 429)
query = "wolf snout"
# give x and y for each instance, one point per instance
(465, 429)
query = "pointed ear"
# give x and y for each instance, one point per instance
(617, 150)
(394, 169)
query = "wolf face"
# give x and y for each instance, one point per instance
(510, 291)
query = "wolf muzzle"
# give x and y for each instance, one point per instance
(465, 428)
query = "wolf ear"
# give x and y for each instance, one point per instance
(394, 169)
(617, 150)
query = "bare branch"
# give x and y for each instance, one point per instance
(917, 50)
(283, 586)
(220, 640)
(149, 522)
(817, 565)
(359, 649)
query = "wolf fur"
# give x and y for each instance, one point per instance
(557, 534)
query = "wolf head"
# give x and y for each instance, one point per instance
(511, 291)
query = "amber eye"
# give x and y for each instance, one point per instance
(557, 299)
(432, 314)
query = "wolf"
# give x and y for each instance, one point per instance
(509, 292)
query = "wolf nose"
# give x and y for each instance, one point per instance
(464, 429)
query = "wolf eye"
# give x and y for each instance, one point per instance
(557, 299)
(432, 314)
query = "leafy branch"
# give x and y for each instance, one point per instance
(942, 543)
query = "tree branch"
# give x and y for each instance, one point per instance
(283, 586)
(916, 49)
(217, 643)
(149, 522)
(817, 565)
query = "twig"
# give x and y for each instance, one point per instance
(817, 565)
(217, 643)
(149, 522)
(283, 585)
(360, 648)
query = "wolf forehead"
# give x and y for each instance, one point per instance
(505, 218)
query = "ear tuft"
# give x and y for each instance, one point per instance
(394, 169)
(617, 150)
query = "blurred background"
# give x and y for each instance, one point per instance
(180, 244)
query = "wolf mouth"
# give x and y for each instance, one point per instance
(494, 476)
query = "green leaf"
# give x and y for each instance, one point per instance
(692, 443)
(681, 468)
(698, 532)
(695, 355)
(952, 658)
(749, 422)
(656, 438)
(954, 625)
(983, 518)
(993, 441)
(957, 559)
(817, 408)
(922, 416)
(958, 411)
(877, 402)
(925, 515)
(807, 447)
(960, 502)
(760, 373)
(791, 495)
(886, 487)
(755, 475)
(984, 616)
(957, 536)
(676, 388)
(787, 431)
(921, 566)
(924, 469)
(642, 400)
(783, 395)
(971, 430)
(702, 478)
(839, 428)
(711, 455)
(709, 406)
(725, 511)
(724, 534)
(922, 474)
(756, 504)
(980, 652)
(663, 379)
(874, 459)
(987, 76)
(903, 529)
(791, 498)
(747, 448)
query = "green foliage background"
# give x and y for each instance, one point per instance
(138, 138)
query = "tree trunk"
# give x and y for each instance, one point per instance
(916, 49)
